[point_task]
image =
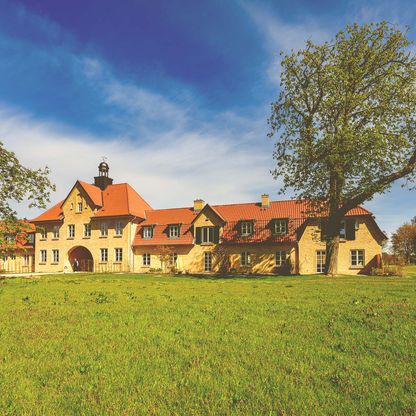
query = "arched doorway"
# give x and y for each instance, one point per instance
(84, 257)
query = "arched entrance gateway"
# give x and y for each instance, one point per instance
(84, 257)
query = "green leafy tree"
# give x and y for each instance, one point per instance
(344, 122)
(19, 184)
(404, 241)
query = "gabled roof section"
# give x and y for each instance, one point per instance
(206, 208)
(116, 200)
(122, 199)
(92, 191)
(52, 214)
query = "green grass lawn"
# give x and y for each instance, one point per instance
(151, 345)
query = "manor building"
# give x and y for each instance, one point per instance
(106, 227)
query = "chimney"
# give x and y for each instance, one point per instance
(198, 204)
(265, 203)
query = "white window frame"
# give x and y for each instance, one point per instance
(207, 235)
(246, 228)
(146, 259)
(245, 258)
(174, 231)
(173, 259)
(43, 233)
(87, 230)
(280, 258)
(207, 262)
(355, 256)
(320, 257)
(118, 228)
(103, 255)
(26, 259)
(43, 256)
(56, 232)
(280, 226)
(55, 256)
(79, 207)
(118, 255)
(71, 230)
(147, 232)
(103, 229)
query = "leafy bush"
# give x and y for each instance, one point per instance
(388, 270)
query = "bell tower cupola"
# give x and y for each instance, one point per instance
(103, 180)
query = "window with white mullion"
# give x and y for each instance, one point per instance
(357, 258)
(246, 228)
(174, 231)
(280, 258)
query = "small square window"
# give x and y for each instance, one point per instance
(174, 231)
(357, 258)
(280, 227)
(246, 228)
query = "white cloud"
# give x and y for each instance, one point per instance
(280, 35)
(170, 170)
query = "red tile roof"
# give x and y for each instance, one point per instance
(116, 200)
(233, 213)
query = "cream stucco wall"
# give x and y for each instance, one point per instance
(94, 243)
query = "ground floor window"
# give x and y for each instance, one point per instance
(173, 258)
(245, 258)
(146, 259)
(118, 254)
(55, 256)
(43, 256)
(208, 262)
(320, 261)
(280, 258)
(357, 258)
(104, 254)
(26, 259)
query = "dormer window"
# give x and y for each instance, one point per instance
(246, 228)
(148, 232)
(280, 227)
(174, 231)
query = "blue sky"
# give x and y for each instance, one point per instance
(175, 93)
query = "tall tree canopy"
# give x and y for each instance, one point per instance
(18, 184)
(344, 121)
(404, 241)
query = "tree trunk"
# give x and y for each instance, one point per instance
(332, 246)
(331, 265)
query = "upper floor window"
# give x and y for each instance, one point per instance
(207, 235)
(79, 207)
(343, 230)
(148, 232)
(357, 258)
(280, 258)
(104, 229)
(119, 228)
(56, 231)
(30, 238)
(87, 230)
(71, 231)
(43, 233)
(174, 231)
(280, 227)
(245, 259)
(246, 227)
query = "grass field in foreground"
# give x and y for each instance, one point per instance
(151, 345)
